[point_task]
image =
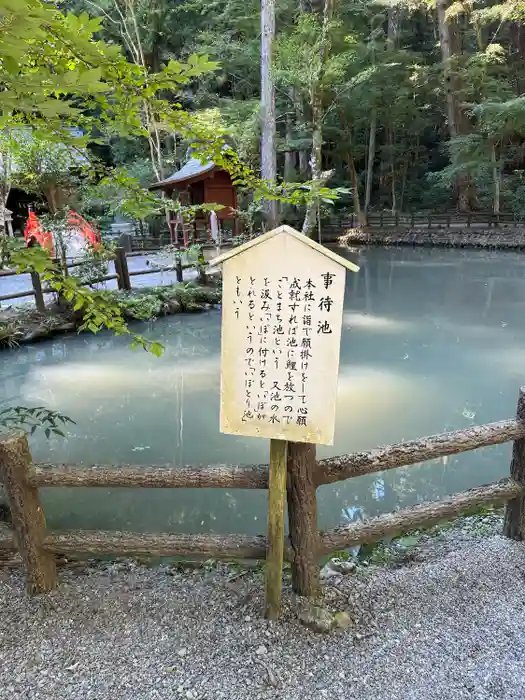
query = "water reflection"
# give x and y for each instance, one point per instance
(432, 340)
(369, 322)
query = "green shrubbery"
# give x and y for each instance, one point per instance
(144, 304)
(10, 334)
(151, 302)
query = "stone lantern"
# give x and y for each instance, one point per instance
(6, 221)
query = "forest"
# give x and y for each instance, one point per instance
(412, 105)
(390, 105)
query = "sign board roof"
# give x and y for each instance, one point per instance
(291, 232)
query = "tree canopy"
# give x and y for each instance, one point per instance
(417, 104)
(411, 105)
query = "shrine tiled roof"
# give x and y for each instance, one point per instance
(190, 170)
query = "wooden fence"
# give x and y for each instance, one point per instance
(150, 243)
(22, 479)
(122, 274)
(455, 220)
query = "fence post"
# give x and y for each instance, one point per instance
(39, 296)
(27, 514)
(302, 517)
(121, 268)
(274, 555)
(514, 525)
(178, 264)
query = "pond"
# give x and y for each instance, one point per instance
(433, 340)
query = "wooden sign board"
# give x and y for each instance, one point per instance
(282, 310)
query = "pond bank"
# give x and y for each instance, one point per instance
(506, 237)
(448, 625)
(22, 324)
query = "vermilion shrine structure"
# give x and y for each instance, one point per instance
(201, 183)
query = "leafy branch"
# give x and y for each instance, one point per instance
(31, 419)
(99, 310)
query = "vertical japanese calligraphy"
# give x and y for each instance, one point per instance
(282, 314)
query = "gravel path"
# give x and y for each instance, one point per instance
(450, 627)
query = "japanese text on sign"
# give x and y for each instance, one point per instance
(286, 328)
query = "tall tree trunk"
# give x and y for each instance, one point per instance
(447, 41)
(316, 159)
(446, 54)
(393, 26)
(355, 188)
(300, 128)
(299, 108)
(496, 175)
(132, 39)
(393, 17)
(319, 177)
(403, 181)
(370, 161)
(268, 127)
(290, 155)
(55, 198)
(392, 167)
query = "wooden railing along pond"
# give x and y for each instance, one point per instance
(38, 548)
(415, 220)
(122, 274)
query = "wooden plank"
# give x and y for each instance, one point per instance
(39, 296)
(421, 515)
(276, 501)
(27, 515)
(162, 544)
(302, 517)
(17, 295)
(151, 271)
(215, 476)
(121, 268)
(256, 477)
(254, 547)
(420, 450)
(106, 278)
(514, 525)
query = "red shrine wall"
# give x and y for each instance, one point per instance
(219, 190)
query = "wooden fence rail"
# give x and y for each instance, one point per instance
(327, 470)
(451, 220)
(22, 479)
(122, 274)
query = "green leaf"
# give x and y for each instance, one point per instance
(156, 349)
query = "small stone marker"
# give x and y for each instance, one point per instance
(282, 309)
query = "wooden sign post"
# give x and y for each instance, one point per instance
(282, 308)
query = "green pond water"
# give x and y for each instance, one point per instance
(433, 340)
